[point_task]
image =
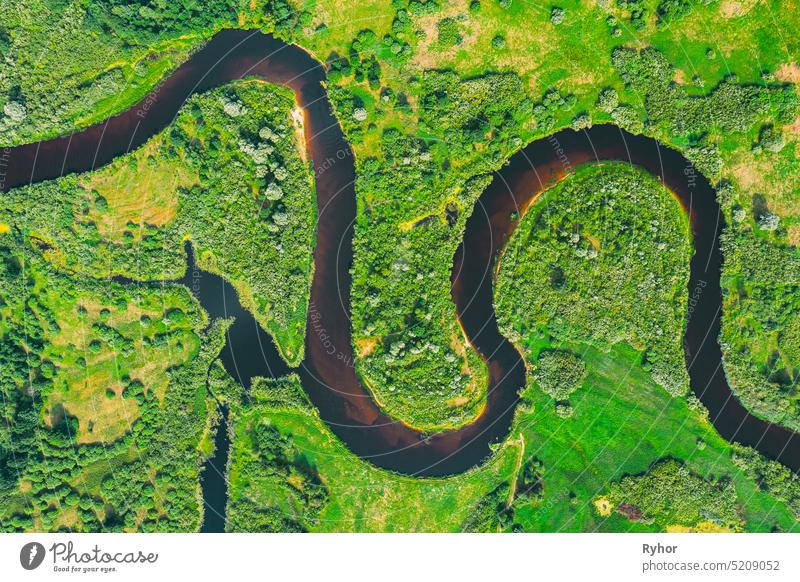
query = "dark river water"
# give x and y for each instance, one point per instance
(328, 375)
(214, 483)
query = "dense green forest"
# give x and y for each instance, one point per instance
(602, 257)
(761, 319)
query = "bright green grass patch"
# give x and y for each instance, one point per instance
(622, 424)
(144, 191)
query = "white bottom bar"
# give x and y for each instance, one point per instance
(387, 557)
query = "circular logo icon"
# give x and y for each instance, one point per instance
(31, 555)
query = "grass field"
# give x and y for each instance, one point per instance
(108, 347)
(623, 423)
(142, 192)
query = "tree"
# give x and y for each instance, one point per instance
(769, 221)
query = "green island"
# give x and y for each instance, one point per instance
(113, 391)
(578, 269)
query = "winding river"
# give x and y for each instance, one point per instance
(329, 379)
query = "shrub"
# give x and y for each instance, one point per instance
(769, 139)
(637, 11)
(499, 42)
(768, 221)
(608, 99)
(730, 106)
(627, 117)
(529, 486)
(559, 373)
(706, 158)
(669, 10)
(491, 513)
(449, 34)
(581, 121)
(770, 475)
(15, 111)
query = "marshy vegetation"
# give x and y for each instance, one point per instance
(107, 416)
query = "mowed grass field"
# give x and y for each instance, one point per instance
(142, 190)
(106, 342)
